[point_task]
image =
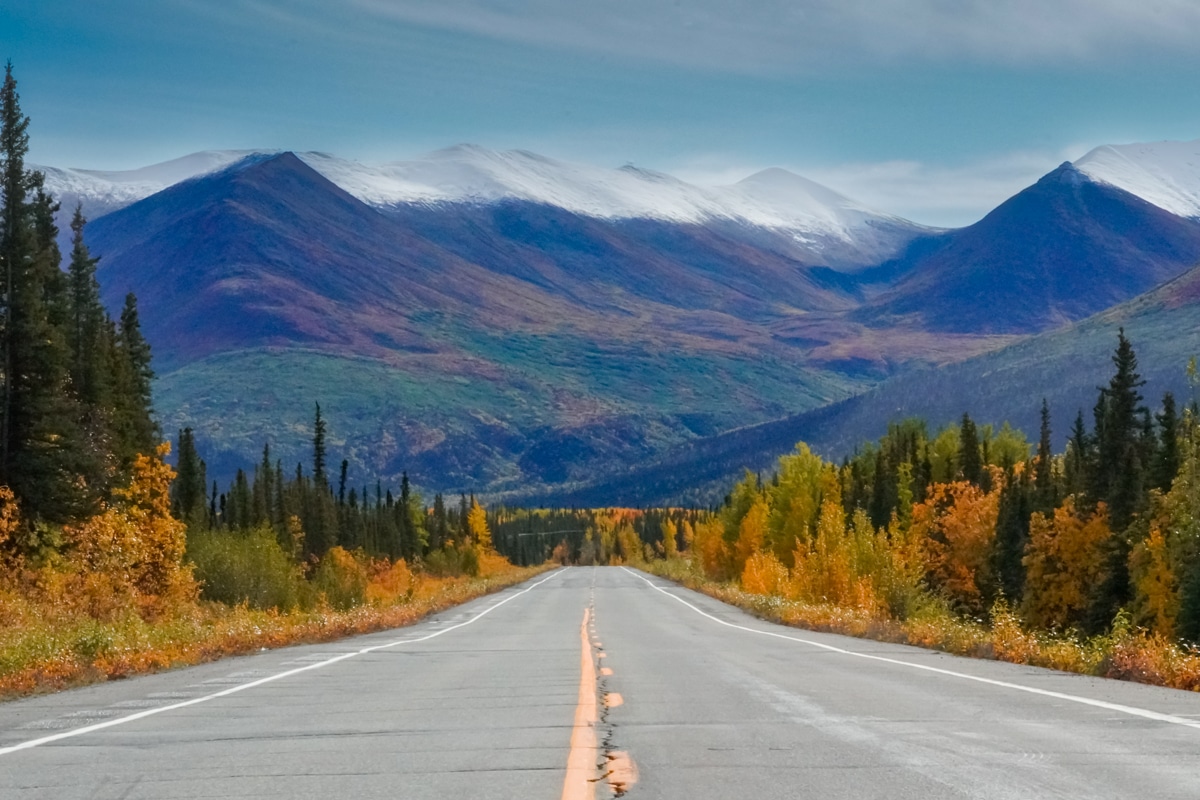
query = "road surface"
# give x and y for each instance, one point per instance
(592, 681)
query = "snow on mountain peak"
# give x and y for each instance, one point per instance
(1166, 174)
(467, 173)
(120, 187)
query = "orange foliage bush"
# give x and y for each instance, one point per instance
(135, 543)
(1063, 560)
(957, 522)
(389, 582)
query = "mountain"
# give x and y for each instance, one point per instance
(477, 345)
(1061, 250)
(798, 217)
(510, 324)
(1064, 366)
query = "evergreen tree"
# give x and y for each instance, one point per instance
(1043, 477)
(187, 492)
(87, 324)
(970, 461)
(342, 483)
(1121, 469)
(1078, 460)
(439, 530)
(1166, 457)
(1012, 534)
(319, 449)
(137, 432)
(42, 454)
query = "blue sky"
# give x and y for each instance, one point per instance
(932, 109)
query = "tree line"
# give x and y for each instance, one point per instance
(75, 402)
(973, 516)
(312, 511)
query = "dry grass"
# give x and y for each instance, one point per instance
(47, 647)
(1126, 653)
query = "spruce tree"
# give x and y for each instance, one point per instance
(1166, 456)
(87, 321)
(970, 460)
(319, 449)
(1120, 465)
(404, 520)
(137, 432)
(43, 456)
(1012, 534)
(1042, 478)
(1078, 460)
(187, 492)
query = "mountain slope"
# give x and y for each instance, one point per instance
(1064, 366)
(264, 287)
(1063, 249)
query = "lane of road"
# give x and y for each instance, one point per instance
(692, 698)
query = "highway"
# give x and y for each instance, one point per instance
(589, 682)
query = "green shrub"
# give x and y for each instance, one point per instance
(342, 579)
(246, 567)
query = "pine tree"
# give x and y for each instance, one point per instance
(970, 461)
(1166, 457)
(1078, 460)
(342, 483)
(1121, 469)
(319, 449)
(42, 453)
(1043, 477)
(1012, 534)
(137, 432)
(440, 529)
(87, 323)
(187, 492)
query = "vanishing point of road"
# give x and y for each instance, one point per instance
(590, 682)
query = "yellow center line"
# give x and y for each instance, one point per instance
(580, 783)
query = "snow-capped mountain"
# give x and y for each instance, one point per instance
(773, 199)
(102, 191)
(1166, 174)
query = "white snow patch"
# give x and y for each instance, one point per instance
(774, 198)
(1166, 174)
(116, 188)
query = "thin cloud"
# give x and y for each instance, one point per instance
(777, 34)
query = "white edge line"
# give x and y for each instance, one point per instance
(1087, 701)
(244, 686)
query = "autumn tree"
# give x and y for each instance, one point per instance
(957, 523)
(1064, 560)
(477, 526)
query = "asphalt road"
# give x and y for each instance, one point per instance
(674, 694)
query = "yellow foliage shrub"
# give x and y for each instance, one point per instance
(765, 574)
(136, 543)
(389, 582)
(1064, 559)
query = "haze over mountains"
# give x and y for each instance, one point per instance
(503, 322)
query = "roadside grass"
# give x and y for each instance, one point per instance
(48, 646)
(1126, 653)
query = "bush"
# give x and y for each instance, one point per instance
(341, 579)
(246, 567)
